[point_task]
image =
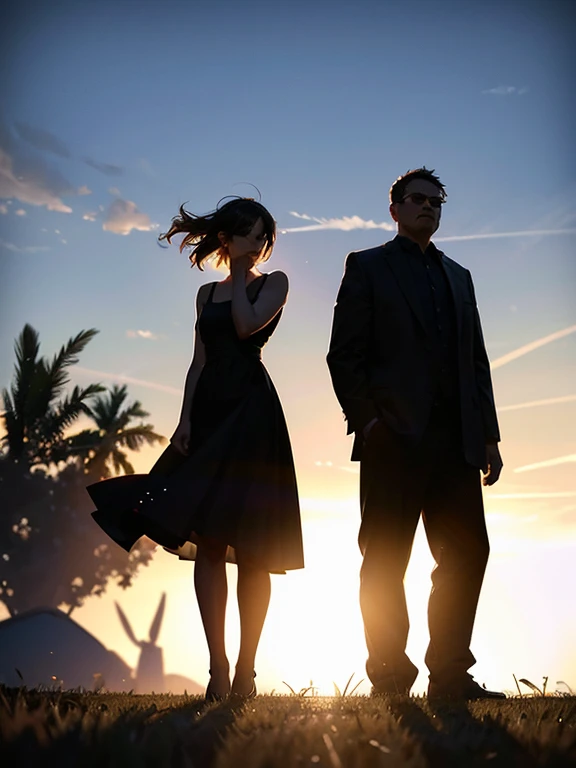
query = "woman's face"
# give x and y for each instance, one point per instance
(250, 244)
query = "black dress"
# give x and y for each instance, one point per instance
(237, 483)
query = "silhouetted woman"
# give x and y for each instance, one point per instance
(225, 488)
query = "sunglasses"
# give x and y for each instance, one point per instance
(419, 199)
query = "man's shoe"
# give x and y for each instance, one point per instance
(466, 691)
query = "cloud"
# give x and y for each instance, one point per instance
(345, 224)
(536, 403)
(20, 212)
(41, 139)
(123, 216)
(90, 216)
(349, 223)
(25, 248)
(520, 233)
(114, 191)
(121, 378)
(106, 168)
(142, 335)
(3, 208)
(83, 190)
(506, 90)
(548, 463)
(516, 353)
(32, 182)
(535, 495)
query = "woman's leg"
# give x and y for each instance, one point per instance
(253, 600)
(212, 592)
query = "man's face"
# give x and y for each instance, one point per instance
(417, 213)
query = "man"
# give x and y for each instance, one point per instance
(410, 370)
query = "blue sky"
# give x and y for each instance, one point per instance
(116, 113)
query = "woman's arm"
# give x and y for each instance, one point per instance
(249, 318)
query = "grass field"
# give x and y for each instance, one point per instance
(41, 728)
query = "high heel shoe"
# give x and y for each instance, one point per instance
(240, 697)
(212, 695)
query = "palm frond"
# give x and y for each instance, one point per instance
(107, 408)
(68, 356)
(134, 438)
(120, 462)
(26, 348)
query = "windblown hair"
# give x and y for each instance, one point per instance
(398, 189)
(235, 217)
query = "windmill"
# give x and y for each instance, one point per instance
(150, 668)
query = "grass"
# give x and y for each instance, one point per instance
(67, 728)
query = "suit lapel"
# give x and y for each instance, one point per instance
(398, 263)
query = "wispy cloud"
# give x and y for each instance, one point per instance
(33, 183)
(123, 216)
(537, 403)
(42, 139)
(506, 90)
(3, 208)
(524, 350)
(142, 335)
(84, 190)
(24, 248)
(90, 216)
(349, 223)
(548, 463)
(106, 168)
(20, 212)
(345, 224)
(535, 495)
(519, 233)
(123, 379)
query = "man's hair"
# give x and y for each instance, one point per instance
(398, 189)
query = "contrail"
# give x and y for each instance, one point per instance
(128, 380)
(535, 403)
(543, 495)
(548, 463)
(516, 353)
(490, 235)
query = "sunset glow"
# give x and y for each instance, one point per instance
(317, 111)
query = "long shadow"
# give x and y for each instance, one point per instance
(452, 738)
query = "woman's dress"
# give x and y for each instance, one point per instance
(237, 483)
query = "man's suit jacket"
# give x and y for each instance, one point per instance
(381, 356)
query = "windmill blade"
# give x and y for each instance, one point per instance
(157, 623)
(126, 625)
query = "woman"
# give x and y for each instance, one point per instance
(225, 488)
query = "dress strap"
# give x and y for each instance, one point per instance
(211, 294)
(262, 281)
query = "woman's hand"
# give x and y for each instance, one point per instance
(181, 437)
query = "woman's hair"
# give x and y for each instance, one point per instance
(235, 217)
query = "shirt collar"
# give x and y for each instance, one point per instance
(412, 247)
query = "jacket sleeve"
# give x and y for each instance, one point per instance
(483, 378)
(350, 345)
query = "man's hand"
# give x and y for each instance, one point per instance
(493, 464)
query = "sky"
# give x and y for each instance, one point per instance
(114, 114)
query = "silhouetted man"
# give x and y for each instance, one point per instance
(410, 370)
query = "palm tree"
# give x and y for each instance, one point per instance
(36, 413)
(101, 448)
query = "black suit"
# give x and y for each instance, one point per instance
(407, 348)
